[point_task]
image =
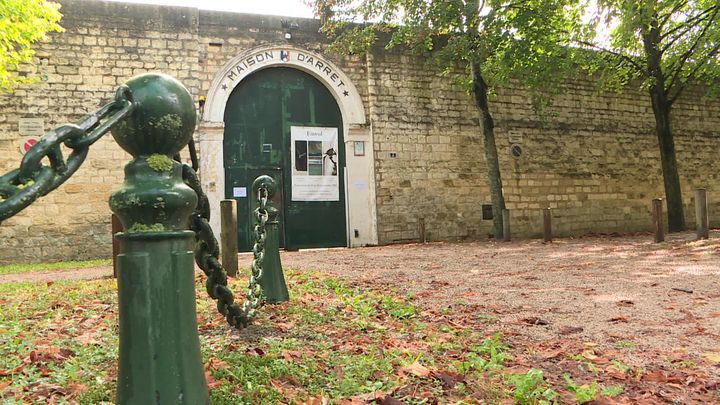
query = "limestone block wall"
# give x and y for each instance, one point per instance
(594, 160)
(104, 45)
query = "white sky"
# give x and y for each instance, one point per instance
(287, 8)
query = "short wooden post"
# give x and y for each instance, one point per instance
(701, 214)
(228, 236)
(506, 224)
(657, 214)
(115, 227)
(547, 225)
(423, 236)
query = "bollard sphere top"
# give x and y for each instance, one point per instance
(266, 181)
(162, 120)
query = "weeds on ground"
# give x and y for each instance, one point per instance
(332, 342)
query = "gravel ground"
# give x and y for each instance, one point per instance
(653, 299)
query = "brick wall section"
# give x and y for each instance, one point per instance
(596, 163)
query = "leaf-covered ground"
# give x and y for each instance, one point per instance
(605, 314)
(331, 344)
(604, 320)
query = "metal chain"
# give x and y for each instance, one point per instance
(21, 187)
(207, 253)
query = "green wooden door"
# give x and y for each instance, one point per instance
(259, 116)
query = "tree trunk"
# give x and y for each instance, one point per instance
(671, 179)
(661, 108)
(480, 91)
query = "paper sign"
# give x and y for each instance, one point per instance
(240, 192)
(314, 155)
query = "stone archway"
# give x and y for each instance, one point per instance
(252, 60)
(360, 181)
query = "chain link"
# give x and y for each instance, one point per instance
(207, 253)
(33, 179)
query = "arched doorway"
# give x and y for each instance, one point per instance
(285, 123)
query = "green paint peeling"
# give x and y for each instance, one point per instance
(160, 163)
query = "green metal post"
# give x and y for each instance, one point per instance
(273, 278)
(160, 360)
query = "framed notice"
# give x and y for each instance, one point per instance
(359, 148)
(314, 156)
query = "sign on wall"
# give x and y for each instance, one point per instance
(27, 143)
(31, 127)
(314, 164)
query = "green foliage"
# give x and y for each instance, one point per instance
(530, 388)
(22, 24)
(59, 345)
(583, 393)
(612, 391)
(505, 38)
(664, 43)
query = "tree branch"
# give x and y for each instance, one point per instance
(686, 55)
(689, 23)
(611, 52)
(674, 10)
(681, 87)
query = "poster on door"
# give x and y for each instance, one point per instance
(314, 164)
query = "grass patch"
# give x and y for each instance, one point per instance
(27, 268)
(332, 342)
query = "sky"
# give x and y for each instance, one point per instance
(287, 8)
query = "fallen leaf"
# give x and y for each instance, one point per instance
(533, 320)
(217, 364)
(321, 400)
(211, 381)
(291, 355)
(416, 369)
(255, 351)
(552, 354)
(76, 389)
(712, 356)
(615, 372)
(569, 330)
(618, 319)
(659, 376)
(388, 400)
(448, 379)
(87, 338)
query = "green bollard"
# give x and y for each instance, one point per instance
(160, 360)
(273, 278)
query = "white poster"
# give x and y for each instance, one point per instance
(314, 157)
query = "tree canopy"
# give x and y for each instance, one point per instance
(22, 24)
(663, 46)
(492, 40)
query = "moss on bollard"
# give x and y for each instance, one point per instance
(160, 360)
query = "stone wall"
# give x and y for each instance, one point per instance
(595, 163)
(104, 45)
(594, 159)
